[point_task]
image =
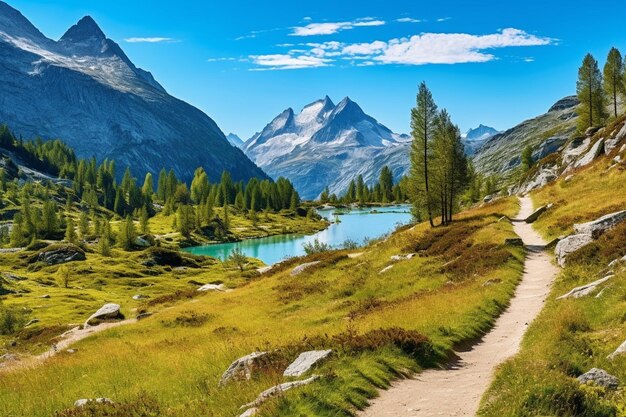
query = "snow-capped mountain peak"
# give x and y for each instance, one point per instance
(341, 138)
(481, 132)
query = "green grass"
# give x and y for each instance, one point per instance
(174, 359)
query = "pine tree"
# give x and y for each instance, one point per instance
(226, 217)
(527, 160)
(126, 234)
(613, 78)
(70, 231)
(83, 224)
(423, 118)
(148, 187)
(162, 186)
(144, 220)
(16, 237)
(50, 221)
(386, 184)
(185, 220)
(591, 110)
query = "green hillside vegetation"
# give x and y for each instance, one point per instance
(425, 305)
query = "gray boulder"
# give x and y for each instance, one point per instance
(585, 289)
(575, 149)
(61, 255)
(599, 377)
(402, 257)
(278, 390)
(108, 311)
(595, 151)
(242, 368)
(619, 351)
(84, 401)
(585, 233)
(535, 215)
(611, 144)
(305, 362)
(250, 412)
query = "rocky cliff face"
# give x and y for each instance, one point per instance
(501, 153)
(328, 145)
(84, 90)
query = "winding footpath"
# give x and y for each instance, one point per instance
(457, 389)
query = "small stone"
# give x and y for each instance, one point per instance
(385, 269)
(242, 368)
(599, 377)
(31, 322)
(84, 401)
(106, 312)
(514, 241)
(619, 351)
(250, 412)
(142, 316)
(211, 287)
(584, 290)
(278, 390)
(45, 296)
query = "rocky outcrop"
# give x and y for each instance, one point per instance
(599, 377)
(574, 150)
(543, 177)
(305, 362)
(595, 151)
(621, 350)
(585, 289)
(278, 390)
(60, 254)
(611, 144)
(243, 368)
(301, 268)
(385, 269)
(585, 233)
(108, 311)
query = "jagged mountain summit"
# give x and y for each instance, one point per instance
(328, 145)
(473, 139)
(234, 140)
(86, 91)
(481, 132)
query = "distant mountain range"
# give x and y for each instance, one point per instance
(328, 145)
(85, 90)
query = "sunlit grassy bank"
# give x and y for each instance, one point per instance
(170, 363)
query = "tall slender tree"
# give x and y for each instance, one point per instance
(591, 110)
(613, 78)
(422, 126)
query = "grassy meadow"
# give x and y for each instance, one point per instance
(380, 325)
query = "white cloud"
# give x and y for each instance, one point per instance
(330, 28)
(408, 20)
(454, 48)
(427, 48)
(443, 19)
(155, 39)
(221, 59)
(286, 61)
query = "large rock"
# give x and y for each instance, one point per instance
(599, 377)
(585, 233)
(60, 254)
(595, 151)
(242, 368)
(108, 311)
(574, 150)
(611, 144)
(278, 390)
(600, 225)
(619, 351)
(305, 362)
(585, 289)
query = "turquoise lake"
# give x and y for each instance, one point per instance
(356, 225)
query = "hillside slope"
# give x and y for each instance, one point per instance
(85, 90)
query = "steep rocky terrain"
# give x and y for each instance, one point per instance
(546, 133)
(328, 145)
(85, 90)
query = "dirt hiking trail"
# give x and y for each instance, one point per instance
(457, 389)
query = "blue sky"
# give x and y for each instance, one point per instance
(243, 62)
